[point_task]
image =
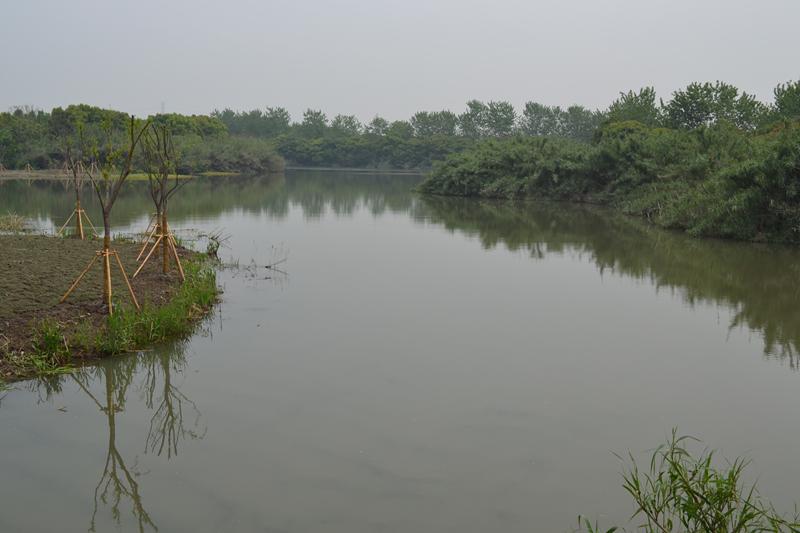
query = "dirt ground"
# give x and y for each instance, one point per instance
(36, 271)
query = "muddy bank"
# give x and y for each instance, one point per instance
(35, 273)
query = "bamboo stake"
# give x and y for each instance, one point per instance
(145, 232)
(107, 280)
(67, 222)
(155, 246)
(80, 278)
(177, 260)
(144, 246)
(116, 254)
(90, 223)
(79, 227)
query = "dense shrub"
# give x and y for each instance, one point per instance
(716, 181)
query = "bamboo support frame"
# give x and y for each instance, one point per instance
(105, 254)
(78, 212)
(170, 242)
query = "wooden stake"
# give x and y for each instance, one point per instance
(148, 255)
(65, 223)
(80, 277)
(107, 280)
(133, 296)
(145, 232)
(79, 227)
(177, 259)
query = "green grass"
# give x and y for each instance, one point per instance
(683, 493)
(130, 329)
(14, 223)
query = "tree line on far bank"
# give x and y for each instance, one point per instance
(34, 138)
(246, 141)
(428, 137)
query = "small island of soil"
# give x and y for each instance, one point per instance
(35, 273)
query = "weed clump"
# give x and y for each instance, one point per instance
(682, 493)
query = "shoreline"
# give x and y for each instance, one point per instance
(39, 335)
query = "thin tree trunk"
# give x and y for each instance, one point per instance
(79, 228)
(106, 262)
(164, 245)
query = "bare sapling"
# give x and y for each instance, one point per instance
(74, 165)
(113, 173)
(162, 161)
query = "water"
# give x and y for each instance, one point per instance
(428, 364)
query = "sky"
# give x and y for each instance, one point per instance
(388, 58)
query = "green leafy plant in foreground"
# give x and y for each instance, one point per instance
(130, 329)
(682, 493)
(50, 345)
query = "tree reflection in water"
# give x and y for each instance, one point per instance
(154, 374)
(167, 426)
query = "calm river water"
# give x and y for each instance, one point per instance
(426, 364)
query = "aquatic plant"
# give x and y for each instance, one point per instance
(683, 493)
(14, 223)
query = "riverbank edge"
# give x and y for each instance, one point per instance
(710, 182)
(58, 346)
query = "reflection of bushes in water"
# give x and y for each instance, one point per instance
(763, 294)
(342, 192)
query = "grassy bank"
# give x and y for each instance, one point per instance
(39, 335)
(716, 181)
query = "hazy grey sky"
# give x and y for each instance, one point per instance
(392, 58)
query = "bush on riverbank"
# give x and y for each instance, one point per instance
(715, 181)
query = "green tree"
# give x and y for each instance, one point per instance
(500, 119)
(427, 124)
(473, 122)
(314, 125)
(579, 123)
(276, 122)
(400, 129)
(640, 107)
(706, 104)
(377, 126)
(345, 126)
(538, 120)
(787, 100)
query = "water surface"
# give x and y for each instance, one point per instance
(428, 364)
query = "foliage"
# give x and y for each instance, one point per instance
(251, 155)
(515, 168)
(256, 123)
(684, 493)
(394, 150)
(640, 107)
(14, 223)
(314, 125)
(427, 124)
(50, 345)
(610, 128)
(129, 328)
(345, 126)
(707, 104)
(714, 181)
(200, 125)
(575, 122)
(787, 101)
